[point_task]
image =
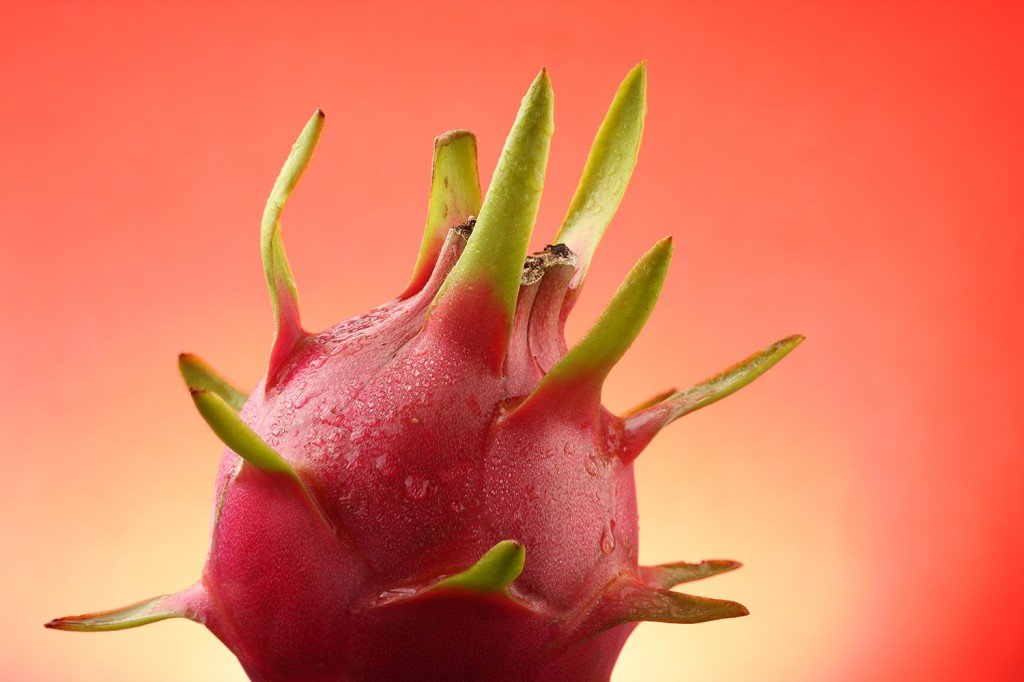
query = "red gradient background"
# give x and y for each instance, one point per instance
(850, 171)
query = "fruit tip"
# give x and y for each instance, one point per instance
(663, 248)
(726, 564)
(320, 114)
(68, 623)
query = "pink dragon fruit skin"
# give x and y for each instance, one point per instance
(433, 490)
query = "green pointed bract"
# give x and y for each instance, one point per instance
(730, 380)
(198, 374)
(493, 572)
(665, 576)
(180, 605)
(237, 435)
(664, 606)
(454, 198)
(641, 426)
(582, 371)
(247, 444)
(133, 616)
(630, 602)
(608, 169)
(284, 297)
(493, 259)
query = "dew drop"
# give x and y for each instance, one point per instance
(356, 434)
(680, 611)
(395, 594)
(608, 538)
(416, 488)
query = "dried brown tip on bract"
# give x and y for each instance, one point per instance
(558, 254)
(536, 264)
(465, 230)
(533, 271)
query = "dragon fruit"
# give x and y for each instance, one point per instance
(433, 490)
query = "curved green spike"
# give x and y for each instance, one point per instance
(640, 427)
(284, 297)
(665, 576)
(183, 604)
(237, 435)
(132, 616)
(493, 259)
(247, 444)
(730, 380)
(583, 369)
(454, 198)
(608, 169)
(493, 572)
(198, 374)
(664, 606)
(629, 602)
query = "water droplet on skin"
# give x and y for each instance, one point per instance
(592, 466)
(626, 592)
(394, 594)
(608, 538)
(351, 455)
(356, 434)
(416, 488)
